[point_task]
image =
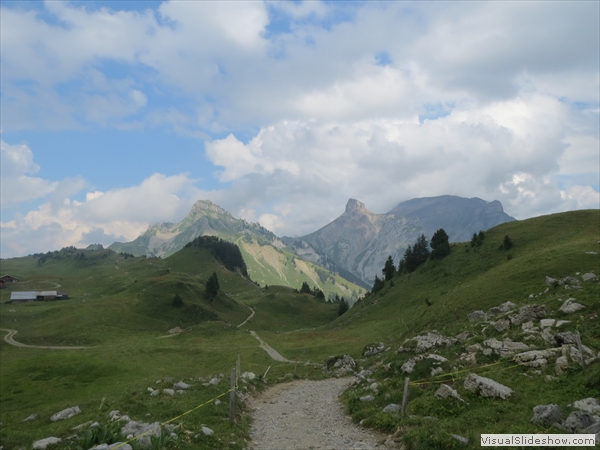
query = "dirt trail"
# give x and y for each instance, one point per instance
(307, 415)
(10, 340)
(274, 354)
(248, 318)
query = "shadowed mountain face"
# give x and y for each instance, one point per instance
(359, 241)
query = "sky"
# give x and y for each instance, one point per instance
(116, 115)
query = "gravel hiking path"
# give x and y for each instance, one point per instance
(10, 340)
(274, 354)
(307, 415)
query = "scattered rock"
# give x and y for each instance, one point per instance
(373, 388)
(477, 316)
(548, 336)
(486, 387)
(114, 415)
(392, 407)
(505, 347)
(373, 349)
(207, 431)
(134, 429)
(170, 392)
(561, 322)
(463, 336)
(562, 364)
(430, 340)
(551, 281)
(345, 364)
(501, 325)
(536, 358)
(588, 405)
(367, 398)
(181, 385)
(43, 443)
(546, 414)
(473, 348)
(547, 322)
(445, 391)
(175, 330)
(527, 313)
(503, 308)
(578, 421)
(461, 439)
(248, 376)
(214, 381)
(66, 414)
(565, 338)
(570, 306)
(588, 276)
(31, 417)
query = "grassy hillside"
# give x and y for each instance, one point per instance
(438, 296)
(123, 308)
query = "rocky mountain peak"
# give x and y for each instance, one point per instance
(204, 206)
(355, 205)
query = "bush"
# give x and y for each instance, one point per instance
(177, 301)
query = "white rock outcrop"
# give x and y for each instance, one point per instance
(486, 387)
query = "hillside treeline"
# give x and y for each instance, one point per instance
(224, 252)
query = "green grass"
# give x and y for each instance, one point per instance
(122, 307)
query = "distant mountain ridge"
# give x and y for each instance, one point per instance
(268, 259)
(352, 247)
(360, 241)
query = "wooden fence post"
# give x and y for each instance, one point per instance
(405, 395)
(238, 369)
(232, 397)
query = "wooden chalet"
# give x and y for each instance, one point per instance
(5, 279)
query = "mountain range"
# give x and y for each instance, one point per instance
(360, 241)
(338, 258)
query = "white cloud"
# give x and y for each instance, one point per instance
(17, 186)
(118, 214)
(506, 150)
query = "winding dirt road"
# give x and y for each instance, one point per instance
(10, 340)
(274, 354)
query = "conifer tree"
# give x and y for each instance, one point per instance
(343, 307)
(212, 286)
(440, 244)
(389, 269)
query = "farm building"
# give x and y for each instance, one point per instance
(28, 296)
(5, 279)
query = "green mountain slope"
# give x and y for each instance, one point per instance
(268, 260)
(438, 297)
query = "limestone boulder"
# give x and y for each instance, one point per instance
(570, 306)
(486, 387)
(66, 414)
(445, 391)
(579, 421)
(43, 443)
(477, 316)
(503, 308)
(392, 407)
(546, 415)
(588, 276)
(589, 405)
(526, 313)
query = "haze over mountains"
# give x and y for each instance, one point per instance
(355, 245)
(360, 241)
